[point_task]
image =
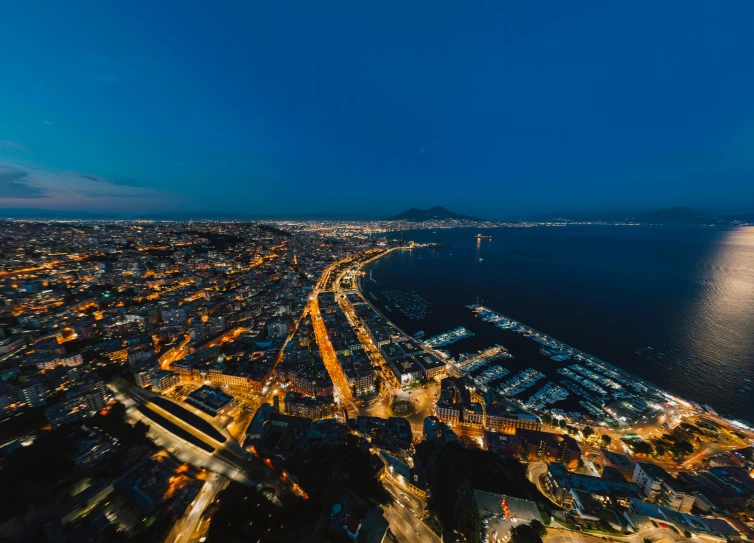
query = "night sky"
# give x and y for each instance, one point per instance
(490, 109)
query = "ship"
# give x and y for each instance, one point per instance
(482, 236)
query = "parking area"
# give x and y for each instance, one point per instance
(500, 513)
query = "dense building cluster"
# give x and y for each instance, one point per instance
(352, 359)
(408, 362)
(152, 354)
(302, 368)
(205, 301)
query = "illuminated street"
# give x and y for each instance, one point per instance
(193, 526)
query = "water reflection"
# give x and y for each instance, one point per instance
(718, 328)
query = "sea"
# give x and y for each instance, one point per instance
(610, 291)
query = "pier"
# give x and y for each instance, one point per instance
(452, 336)
(564, 350)
(523, 380)
(548, 394)
(492, 353)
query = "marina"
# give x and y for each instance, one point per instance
(495, 352)
(617, 378)
(587, 387)
(692, 356)
(490, 374)
(600, 389)
(448, 338)
(476, 365)
(520, 382)
(407, 302)
(548, 394)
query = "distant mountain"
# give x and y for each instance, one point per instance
(432, 214)
(670, 216)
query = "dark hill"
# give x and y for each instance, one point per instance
(432, 214)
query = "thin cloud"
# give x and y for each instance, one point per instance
(124, 182)
(17, 145)
(16, 183)
(48, 123)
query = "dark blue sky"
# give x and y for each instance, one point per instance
(486, 108)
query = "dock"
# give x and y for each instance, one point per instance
(446, 338)
(565, 351)
(491, 353)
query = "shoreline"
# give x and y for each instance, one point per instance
(650, 386)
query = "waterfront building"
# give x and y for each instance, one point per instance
(504, 416)
(409, 347)
(722, 488)
(659, 486)
(433, 367)
(572, 489)
(549, 447)
(406, 370)
(392, 351)
(473, 415)
(619, 462)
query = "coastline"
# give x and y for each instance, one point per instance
(650, 386)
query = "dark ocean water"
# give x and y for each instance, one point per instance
(687, 292)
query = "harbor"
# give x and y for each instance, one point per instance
(408, 302)
(559, 351)
(448, 338)
(587, 389)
